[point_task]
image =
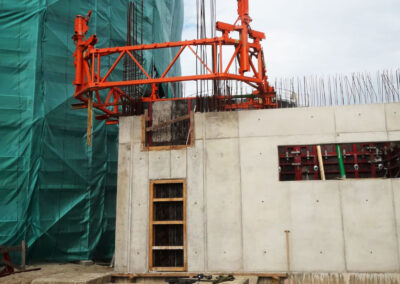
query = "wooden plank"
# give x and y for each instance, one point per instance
(266, 275)
(164, 148)
(168, 247)
(78, 106)
(163, 181)
(191, 131)
(172, 268)
(151, 231)
(167, 199)
(184, 227)
(192, 127)
(144, 119)
(168, 222)
(166, 123)
(154, 274)
(124, 275)
(191, 274)
(23, 252)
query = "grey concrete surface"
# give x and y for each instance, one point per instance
(122, 225)
(139, 212)
(74, 278)
(223, 212)
(237, 210)
(196, 231)
(162, 112)
(369, 226)
(316, 227)
(344, 278)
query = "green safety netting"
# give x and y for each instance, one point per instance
(57, 193)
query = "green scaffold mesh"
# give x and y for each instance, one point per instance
(57, 193)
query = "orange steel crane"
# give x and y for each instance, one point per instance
(89, 81)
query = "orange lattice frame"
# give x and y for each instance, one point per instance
(88, 80)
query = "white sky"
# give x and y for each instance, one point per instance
(317, 36)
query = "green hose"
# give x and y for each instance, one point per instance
(340, 159)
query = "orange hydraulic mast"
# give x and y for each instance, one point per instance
(243, 11)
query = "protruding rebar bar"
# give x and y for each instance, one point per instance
(356, 88)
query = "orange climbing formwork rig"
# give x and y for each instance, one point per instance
(89, 81)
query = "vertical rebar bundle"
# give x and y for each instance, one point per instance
(201, 10)
(357, 88)
(134, 36)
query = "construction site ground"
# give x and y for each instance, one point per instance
(68, 273)
(59, 273)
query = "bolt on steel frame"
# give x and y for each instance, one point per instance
(89, 81)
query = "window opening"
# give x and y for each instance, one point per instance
(168, 125)
(167, 225)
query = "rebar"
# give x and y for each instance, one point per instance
(353, 89)
(134, 36)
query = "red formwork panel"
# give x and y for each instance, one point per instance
(361, 160)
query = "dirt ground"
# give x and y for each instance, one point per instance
(49, 269)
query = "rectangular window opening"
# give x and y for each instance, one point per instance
(168, 258)
(167, 249)
(356, 160)
(168, 125)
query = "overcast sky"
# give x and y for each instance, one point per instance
(318, 36)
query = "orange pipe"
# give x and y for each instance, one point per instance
(243, 11)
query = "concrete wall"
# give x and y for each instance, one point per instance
(237, 210)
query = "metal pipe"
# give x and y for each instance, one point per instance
(340, 159)
(243, 10)
(23, 253)
(320, 162)
(287, 252)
